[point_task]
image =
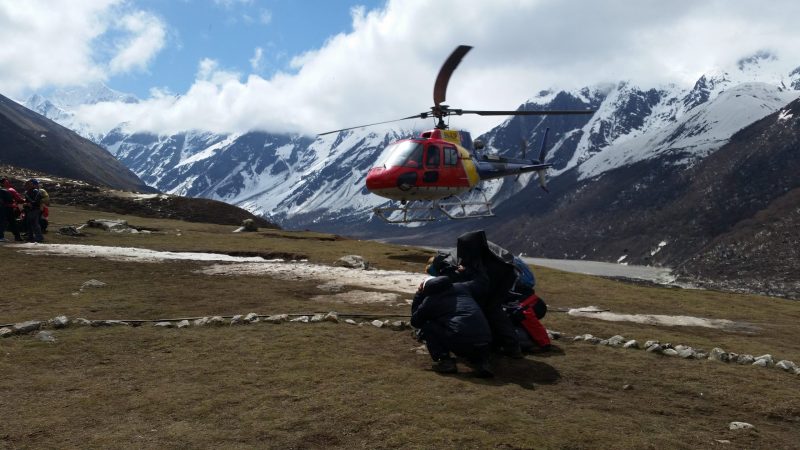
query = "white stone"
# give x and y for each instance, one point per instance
(655, 348)
(786, 365)
(82, 321)
(760, 363)
(398, 325)
(633, 343)
(317, 318)
(251, 317)
(163, 324)
(216, 320)
(301, 319)
(797, 370)
(377, 323)
(350, 321)
(92, 284)
(201, 322)
(59, 322)
(740, 426)
(27, 327)
(237, 319)
(686, 353)
(277, 318)
(649, 344)
(670, 352)
(616, 341)
(352, 262)
(182, 324)
(554, 335)
(718, 354)
(6, 332)
(745, 359)
(332, 316)
(593, 340)
(44, 336)
(768, 358)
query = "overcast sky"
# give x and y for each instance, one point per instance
(311, 66)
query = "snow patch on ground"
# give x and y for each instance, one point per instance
(593, 312)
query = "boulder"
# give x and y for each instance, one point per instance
(633, 343)
(6, 332)
(201, 322)
(352, 262)
(182, 324)
(350, 322)
(164, 324)
(332, 316)
(718, 354)
(377, 323)
(786, 365)
(277, 318)
(216, 321)
(59, 322)
(249, 225)
(745, 359)
(740, 426)
(26, 327)
(237, 320)
(44, 336)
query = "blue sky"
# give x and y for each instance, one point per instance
(230, 32)
(308, 66)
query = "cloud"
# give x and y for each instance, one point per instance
(385, 66)
(256, 60)
(50, 43)
(145, 40)
(228, 4)
(265, 16)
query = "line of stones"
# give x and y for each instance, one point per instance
(687, 352)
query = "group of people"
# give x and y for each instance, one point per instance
(480, 302)
(28, 212)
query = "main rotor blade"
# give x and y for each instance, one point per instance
(528, 113)
(416, 116)
(440, 87)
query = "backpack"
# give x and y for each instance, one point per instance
(45, 197)
(6, 198)
(525, 281)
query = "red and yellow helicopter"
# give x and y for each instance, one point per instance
(429, 174)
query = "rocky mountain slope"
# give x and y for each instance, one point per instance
(30, 140)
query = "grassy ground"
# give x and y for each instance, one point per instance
(327, 385)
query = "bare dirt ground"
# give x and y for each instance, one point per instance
(331, 385)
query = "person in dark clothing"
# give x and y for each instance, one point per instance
(451, 321)
(8, 208)
(478, 256)
(33, 210)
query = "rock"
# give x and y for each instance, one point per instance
(163, 324)
(108, 323)
(352, 262)
(579, 337)
(70, 231)
(631, 344)
(593, 340)
(6, 332)
(92, 284)
(350, 321)
(722, 441)
(649, 344)
(767, 359)
(797, 370)
(237, 320)
(59, 322)
(733, 356)
(216, 321)
(421, 350)
(701, 355)
(317, 318)
(82, 321)
(786, 365)
(201, 322)
(182, 324)
(554, 335)
(249, 225)
(277, 318)
(760, 363)
(26, 327)
(301, 319)
(670, 352)
(603, 342)
(616, 341)
(44, 336)
(398, 325)
(377, 323)
(108, 224)
(655, 348)
(740, 426)
(680, 347)
(686, 353)
(251, 317)
(745, 359)
(627, 387)
(332, 316)
(718, 354)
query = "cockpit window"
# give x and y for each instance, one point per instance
(406, 153)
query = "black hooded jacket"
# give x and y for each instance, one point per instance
(453, 306)
(477, 254)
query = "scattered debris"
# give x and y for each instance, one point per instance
(92, 284)
(71, 231)
(740, 426)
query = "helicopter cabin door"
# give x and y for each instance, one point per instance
(433, 162)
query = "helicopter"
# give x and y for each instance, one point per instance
(429, 174)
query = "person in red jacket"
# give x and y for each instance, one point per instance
(10, 208)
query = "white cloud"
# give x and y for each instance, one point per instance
(228, 4)
(256, 60)
(48, 43)
(384, 68)
(146, 38)
(265, 16)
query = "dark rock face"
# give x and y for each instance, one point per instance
(31, 141)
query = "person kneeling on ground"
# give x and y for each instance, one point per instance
(451, 321)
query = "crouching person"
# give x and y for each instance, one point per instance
(452, 322)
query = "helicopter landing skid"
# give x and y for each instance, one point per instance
(412, 213)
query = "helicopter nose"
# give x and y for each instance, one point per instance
(375, 178)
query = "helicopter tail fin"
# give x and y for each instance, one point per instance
(543, 149)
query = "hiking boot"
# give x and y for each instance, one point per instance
(445, 365)
(482, 368)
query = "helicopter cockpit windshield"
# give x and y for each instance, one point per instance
(404, 154)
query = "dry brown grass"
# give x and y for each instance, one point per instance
(326, 385)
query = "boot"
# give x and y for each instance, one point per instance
(445, 365)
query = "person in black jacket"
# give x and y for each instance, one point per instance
(33, 210)
(451, 321)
